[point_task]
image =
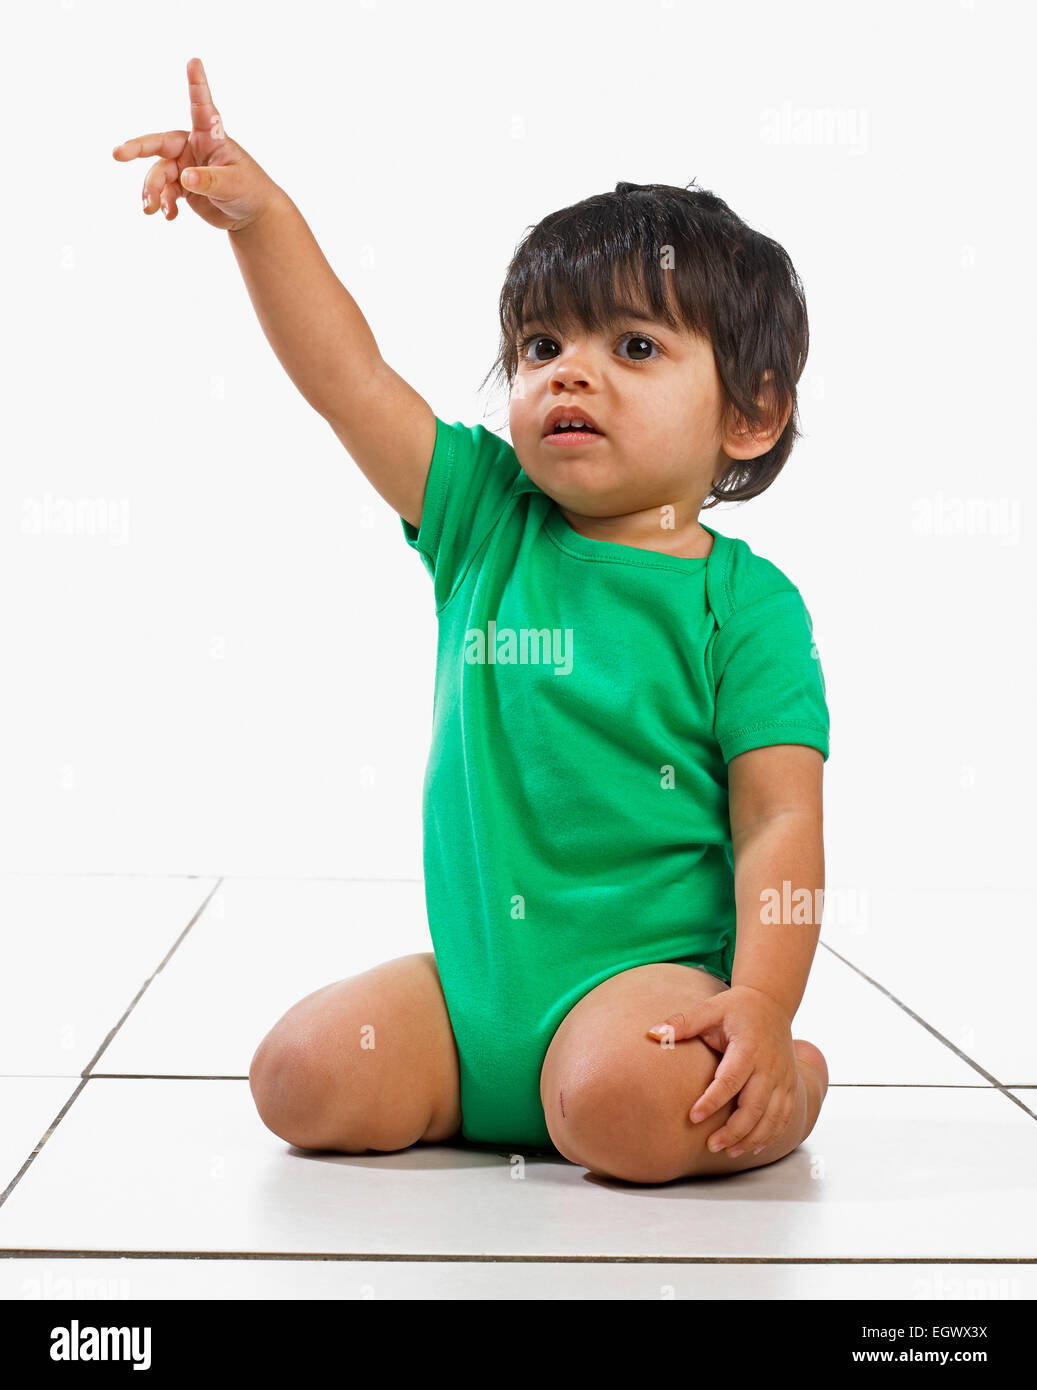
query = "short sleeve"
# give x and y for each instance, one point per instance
(769, 684)
(470, 478)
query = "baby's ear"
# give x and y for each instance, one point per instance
(742, 439)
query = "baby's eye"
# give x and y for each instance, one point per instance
(642, 343)
(535, 342)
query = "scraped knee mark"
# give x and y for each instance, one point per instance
(561, 1102)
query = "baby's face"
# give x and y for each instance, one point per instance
(656, 398)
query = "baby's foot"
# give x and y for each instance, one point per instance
(814, 1057)
(816, 1079)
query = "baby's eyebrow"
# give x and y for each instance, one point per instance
(638, 312)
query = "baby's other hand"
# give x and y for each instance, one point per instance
(221, 182)
(759, 1064)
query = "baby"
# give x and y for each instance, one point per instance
(623, 847)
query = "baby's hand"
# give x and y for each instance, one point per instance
(759, 1064)
(221, 182)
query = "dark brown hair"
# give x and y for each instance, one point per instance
(729, 283)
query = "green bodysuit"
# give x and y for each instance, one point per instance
(588, 698)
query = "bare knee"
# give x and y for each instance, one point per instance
(292, 1091)
(367, 1062)
(627, 1116)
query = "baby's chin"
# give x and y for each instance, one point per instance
(572, 486)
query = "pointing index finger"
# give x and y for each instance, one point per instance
(205, 119)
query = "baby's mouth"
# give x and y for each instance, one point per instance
(573, 439)
(569, 419)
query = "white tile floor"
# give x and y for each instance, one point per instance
(133, 1163)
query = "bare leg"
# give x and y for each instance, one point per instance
(368, 1062)
(617, 1103)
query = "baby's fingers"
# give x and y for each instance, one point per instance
(771, 1126)
(169, 144)
(161, 188)
(731, 1075)
(747, 1114)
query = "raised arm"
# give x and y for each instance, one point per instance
(325, 345)
(310, 319)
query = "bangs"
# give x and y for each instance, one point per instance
(579, 273)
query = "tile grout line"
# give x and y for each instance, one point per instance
(46, 1135)
(936, 1034)
(223, 878)
(86, 1072)
(399, 1258)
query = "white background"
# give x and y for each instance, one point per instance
(241, 682)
